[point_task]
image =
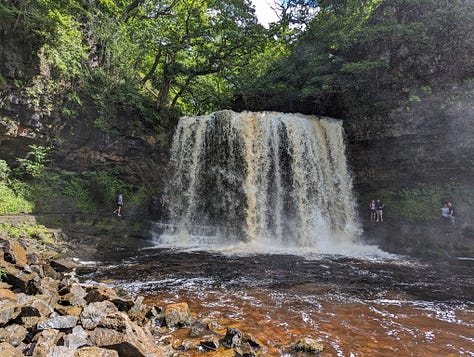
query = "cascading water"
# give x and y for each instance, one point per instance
(269, 178)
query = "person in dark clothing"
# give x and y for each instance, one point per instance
(451, 213)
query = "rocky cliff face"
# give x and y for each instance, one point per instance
(430, 142)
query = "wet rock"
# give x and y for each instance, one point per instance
(244, 350)
(7, 350)
(95, 352)
(13, 334)
(177, 314)
(210, 343)
(251, 340)
(232, 338)
(197, 329)
(308, 345)
(59, 323)
(93, 313)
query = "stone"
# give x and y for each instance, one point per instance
(13, 334)
(244, 350)
(63, 265)
(8, 311)
(73, 295)
(210, 343)
(68, 310)
(26, 282)
(177, 314)
(59, 323)
(14, 253)
(35, 307)
(132, 342)
(93, 313)
(61, 351)
(308, 345)
(98, 293)
(30, 321)
(7, 294)
(7, 350)
(95, 352)
(232, 338)
(77, 338)
(45, 341)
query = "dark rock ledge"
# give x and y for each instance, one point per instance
(46, 311)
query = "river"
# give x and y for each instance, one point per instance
(379, 305)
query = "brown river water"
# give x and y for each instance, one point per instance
(356, 306)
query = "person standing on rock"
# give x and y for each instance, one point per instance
(379, 206)
(118, 210)
(445, 213)
(451, 213)
(373, 210)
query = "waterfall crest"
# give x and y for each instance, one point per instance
(267, 177)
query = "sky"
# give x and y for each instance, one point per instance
(264, 12)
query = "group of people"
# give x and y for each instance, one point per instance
(447, 213)
(376, 208)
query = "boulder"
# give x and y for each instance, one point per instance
(45, 341)
(9, 310)
(232, 338)
(76, 339)
(210, 343)
(73, 295)
(308, 345)
(26, 282)
(93, 313)
(7, 350)
(63, 265)
(177, 315)
(13, 334)
(99, 293)
(244, 350)
(95, 352)
(133, 342)
(61, 351)
(68, 310)
(7, 294)
(14, 252)
(58, 323)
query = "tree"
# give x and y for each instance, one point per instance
(187, 41)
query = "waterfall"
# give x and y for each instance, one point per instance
(272, 178)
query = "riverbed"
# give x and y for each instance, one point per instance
(382, 305)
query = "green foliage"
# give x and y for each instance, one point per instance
(12, 202)
(26, 230)
(34, 164)
(422, 202)
(3, 274)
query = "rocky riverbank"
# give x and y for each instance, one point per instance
(46, 311)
